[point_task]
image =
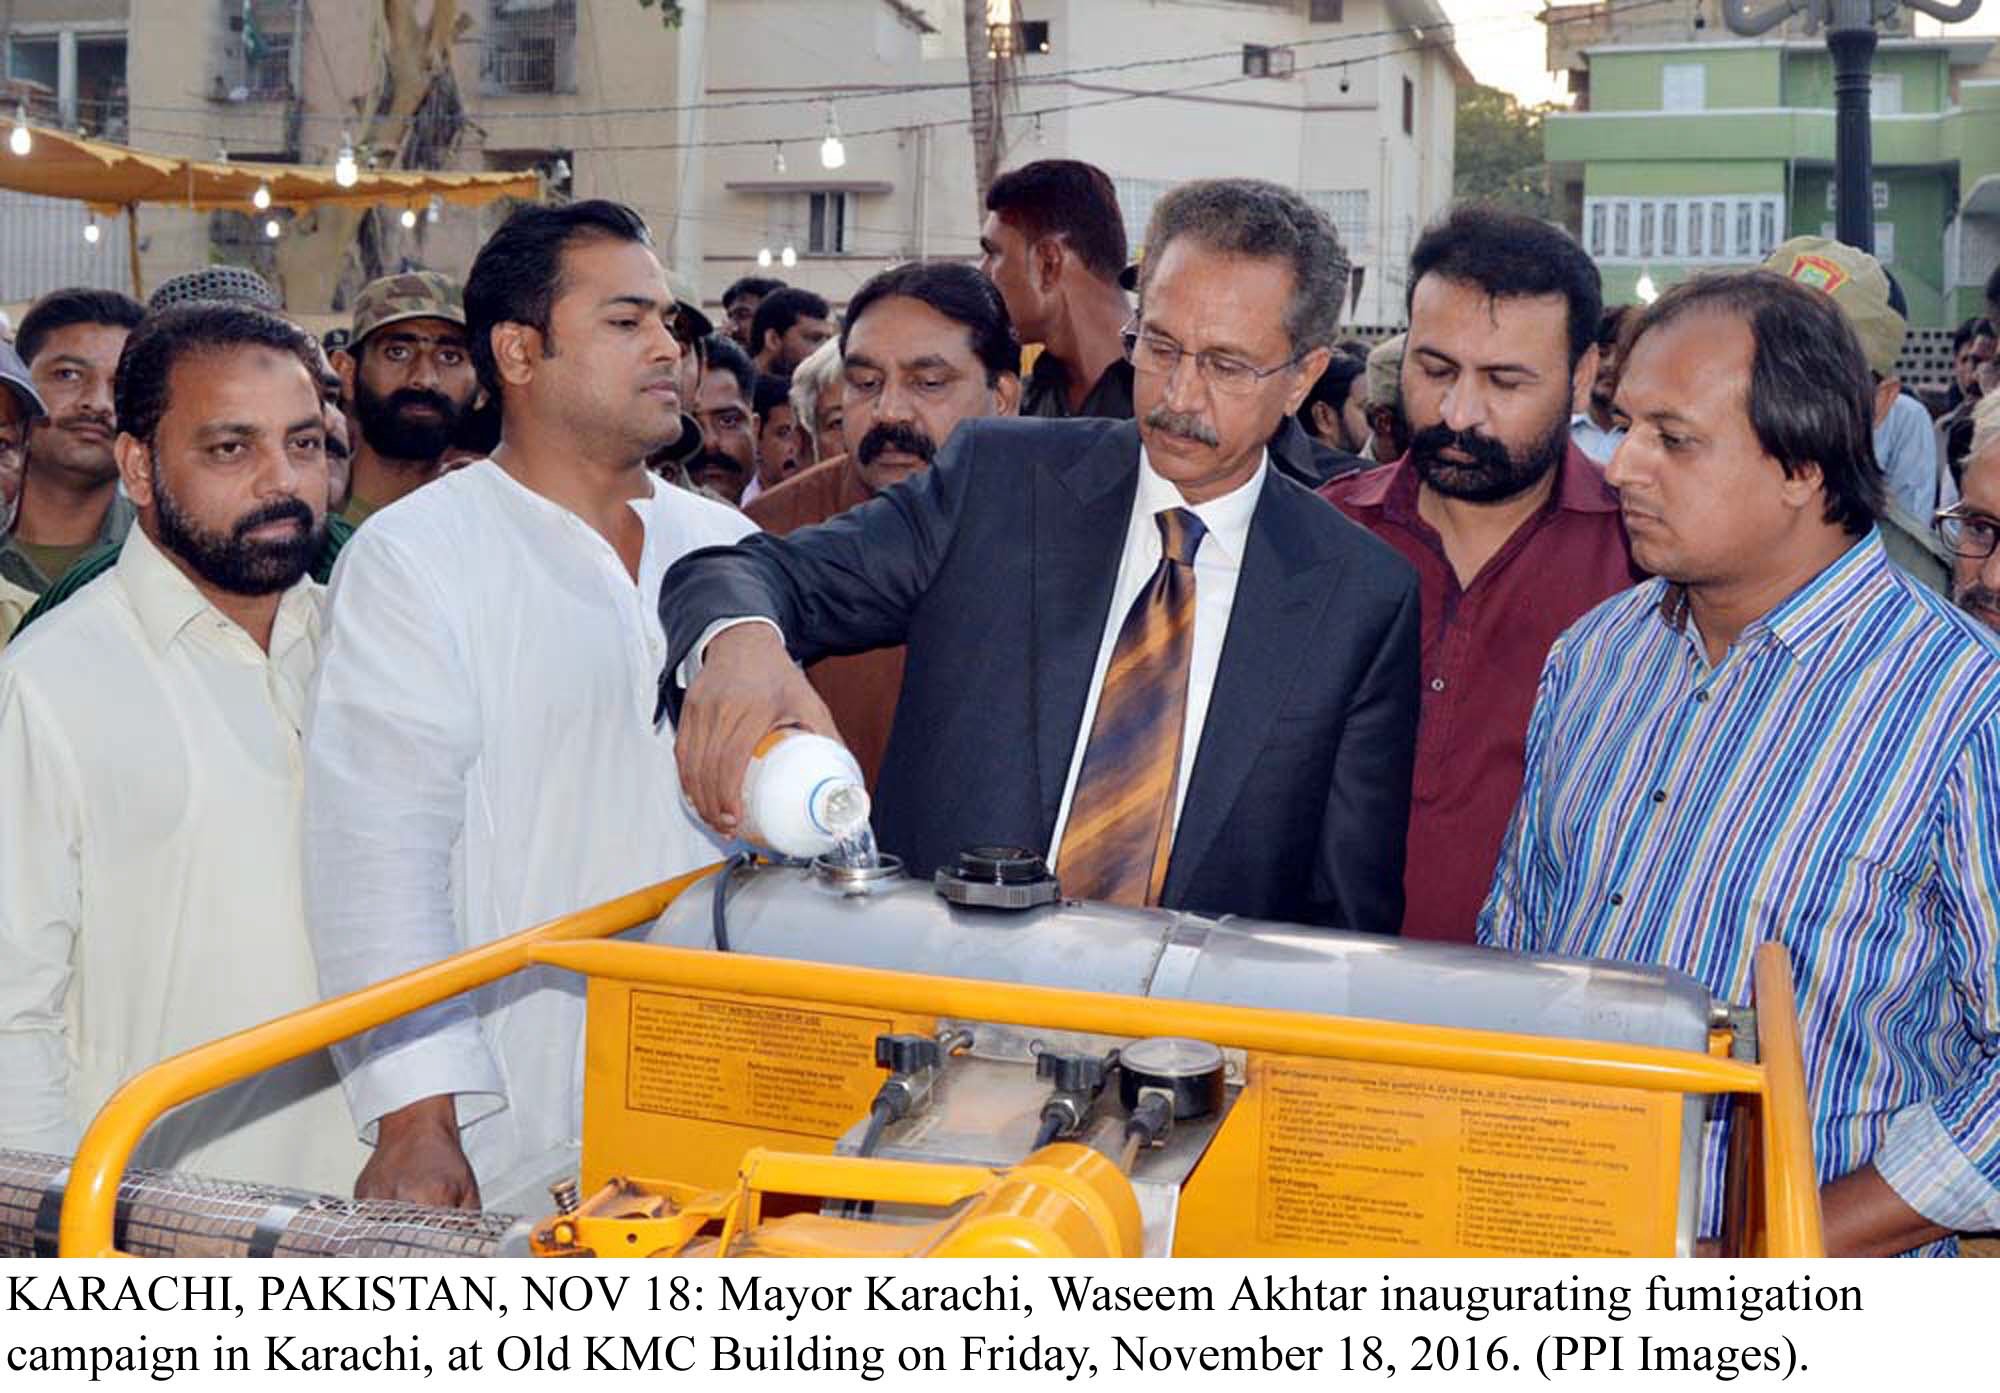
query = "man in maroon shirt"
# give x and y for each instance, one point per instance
(1512, 529)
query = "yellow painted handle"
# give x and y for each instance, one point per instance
(92, 1194)
(1793, 1223)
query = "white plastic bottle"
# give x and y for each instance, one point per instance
(803, 795)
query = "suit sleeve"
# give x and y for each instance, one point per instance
(847, 585)
(1360, 870)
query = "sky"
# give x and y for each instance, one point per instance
(1505, 45)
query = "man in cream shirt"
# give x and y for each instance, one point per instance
(480, 754)
(150, 761)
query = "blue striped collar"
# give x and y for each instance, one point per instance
(1816, 609)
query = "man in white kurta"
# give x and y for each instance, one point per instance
(151, 772)
(481, 754)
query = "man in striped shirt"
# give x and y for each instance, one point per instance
(1783, 737)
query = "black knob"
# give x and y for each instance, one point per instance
(906, 1054)
(1001, 865)
(1071, 1073)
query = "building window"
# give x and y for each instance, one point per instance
(530, 46)
(1347, 210)
(1409, 107)
(1879, 192)
(1684, 87)
(827, 223)
(1885, 94)
(1326, 11)
(1266, 60)
(74, 78)
(1708, 229)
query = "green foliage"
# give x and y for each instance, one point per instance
(670, 11)
(1498, 151)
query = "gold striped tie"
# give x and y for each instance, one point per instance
(1121, 818)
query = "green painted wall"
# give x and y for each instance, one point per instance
(1808, 78)
(1745, 77)
(1661, 178)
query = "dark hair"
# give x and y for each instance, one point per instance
(1067, 199)
(1973, 328)
(1255, 218)
(1611, 325)
(959, 293)
(783, 308)
(773, 390)
(76, 305)
(1509, 256)
(1993, 291)
(517, 275)
(719, 350)
(760, 286)
(162, 340)
(1811, 397)
(1333, 386)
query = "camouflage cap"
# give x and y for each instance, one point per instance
(1857, 283)
(407, 295)
(1385, 373)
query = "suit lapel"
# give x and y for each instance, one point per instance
(1284, 585)
(1080, 515)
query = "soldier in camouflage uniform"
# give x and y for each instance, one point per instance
(409, 380)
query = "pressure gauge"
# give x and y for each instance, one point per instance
(1190, 1070)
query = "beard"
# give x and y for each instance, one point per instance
(1977, 600)
(1494, 473)
(393, 434)
(232, 562)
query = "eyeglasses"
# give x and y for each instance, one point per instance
(11, 445)
(1225, 376)
(1967, 534)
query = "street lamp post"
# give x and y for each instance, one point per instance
(1850, 40)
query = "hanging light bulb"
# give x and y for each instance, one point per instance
(832, 154)
(1344, 83)
(346, 171)
(435, 210)
(777, 158)
(1645, 289)
(408, 219)
(261, 199)
(788, 257)
(20, 142)
(272, 228)
(91, 231)
(764, 257)
(1039, 137)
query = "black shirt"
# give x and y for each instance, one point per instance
(1046, 392)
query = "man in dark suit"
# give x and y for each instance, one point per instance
(1135, 646)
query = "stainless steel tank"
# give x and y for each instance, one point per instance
(888, 920)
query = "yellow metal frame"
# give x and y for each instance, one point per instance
(1790, 1218)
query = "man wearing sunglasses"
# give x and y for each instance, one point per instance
(1135, 647)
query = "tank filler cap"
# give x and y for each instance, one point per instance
(998, 877)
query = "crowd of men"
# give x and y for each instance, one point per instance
(1647, 632)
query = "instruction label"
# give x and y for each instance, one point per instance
(722, 1059)
(1383, 1159)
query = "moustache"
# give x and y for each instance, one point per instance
(1184, 424)
(895, 435)
(1976, 598)
(405, 397)
(1484, 451)
(85, 418)
(284, 510)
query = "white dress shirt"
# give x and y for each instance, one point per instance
(151, 773)
(1594, 440)
(1217, 563)
(481, 757)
